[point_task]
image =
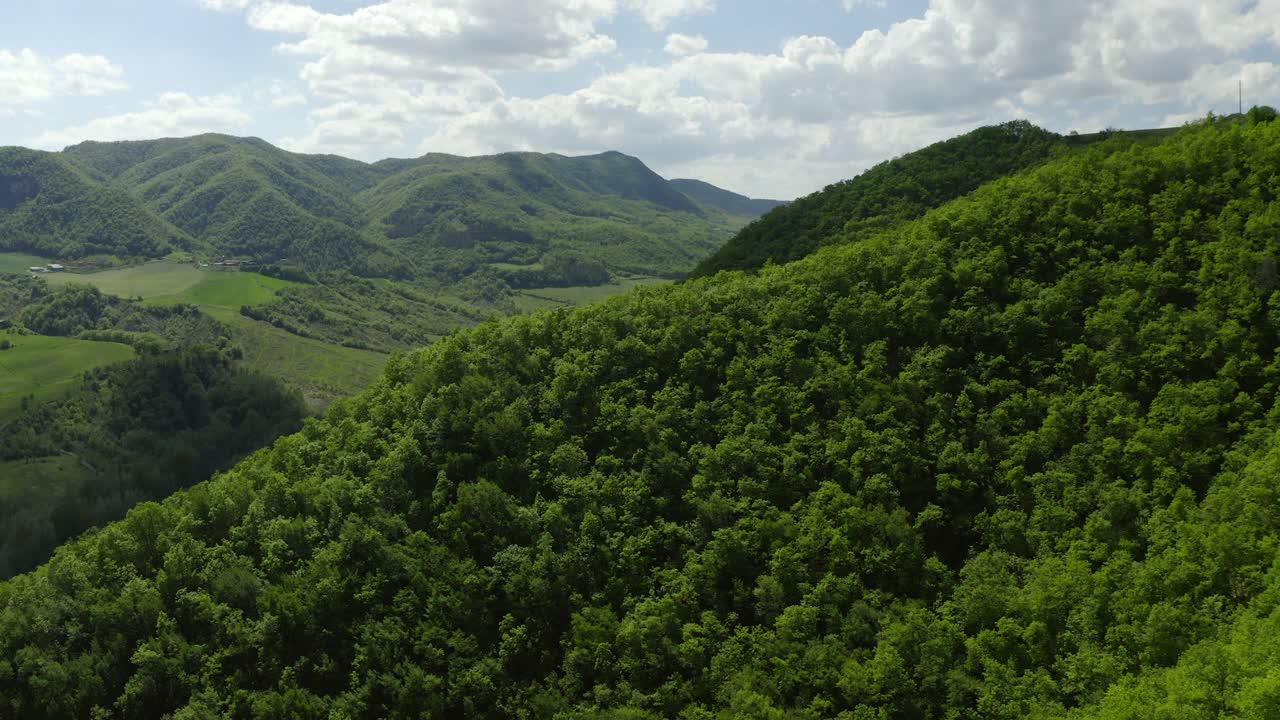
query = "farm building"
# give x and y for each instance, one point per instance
(38, 269)
(55, 267)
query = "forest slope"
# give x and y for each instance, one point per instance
(888, 194)
(438, 216)
(49, 207)
(707, 194)
(1016, 459)
(456, 214)
(96, 429)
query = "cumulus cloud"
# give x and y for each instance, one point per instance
(169, 115)
(404, 39)
(678, 44)
(428, 75)
(28, 77)
(660, 13)
(817, 106)
(280, 95)
(351, 129)
(409, 43)
(225, 5)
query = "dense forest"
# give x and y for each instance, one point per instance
(894, 192)
(50, 207)
(1013, 459)
(132, 432)
(87, 312)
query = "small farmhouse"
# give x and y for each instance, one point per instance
(55, 267)
(38, 269)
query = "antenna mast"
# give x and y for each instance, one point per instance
(1241, 96)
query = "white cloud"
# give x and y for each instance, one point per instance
(411, 38)
(169, 115)
(225, 5)
(817, 111)
(678, 44)
(428, 74)
(660, 13)
(411, 43)
(28, 77)
(351, 129)
(280, 95)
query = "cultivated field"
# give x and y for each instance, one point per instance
(550, 298)
(320, 370)
(19, 262)
(47, 367)
(166, 282)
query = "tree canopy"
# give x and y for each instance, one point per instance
(1014, 459)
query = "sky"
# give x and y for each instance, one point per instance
(771, 98)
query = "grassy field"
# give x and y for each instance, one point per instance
(19, 262)
(233, 289)
(157, 279)
(166, 282)
(22, 481)
(46, 367)
(548, 298)
(321, 371)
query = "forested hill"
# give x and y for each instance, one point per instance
(888, 194)
(1015, 459)
(707, 194)
(49, 206)
(438, 216)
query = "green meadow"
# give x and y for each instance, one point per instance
(46, 367)
(536, 299)
(23, 480)
(320, 370)
(166, 282)
(20, 262)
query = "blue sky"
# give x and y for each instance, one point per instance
(765, 97)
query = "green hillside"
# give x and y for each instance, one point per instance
(888, 194)
(134, 431)
(50, 208)
(34, 368)
(383, 256)
(438, 217)
(455, 215)
(240, 196)
(706, 194)
(107, 402)
(283, 347)
(1014, 459)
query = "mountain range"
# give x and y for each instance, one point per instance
(437, 216)
(1010, 456)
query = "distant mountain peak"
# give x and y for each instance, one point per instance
(438, 214)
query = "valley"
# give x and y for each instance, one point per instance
(622, 360)
(987, 431)
(301, 273)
